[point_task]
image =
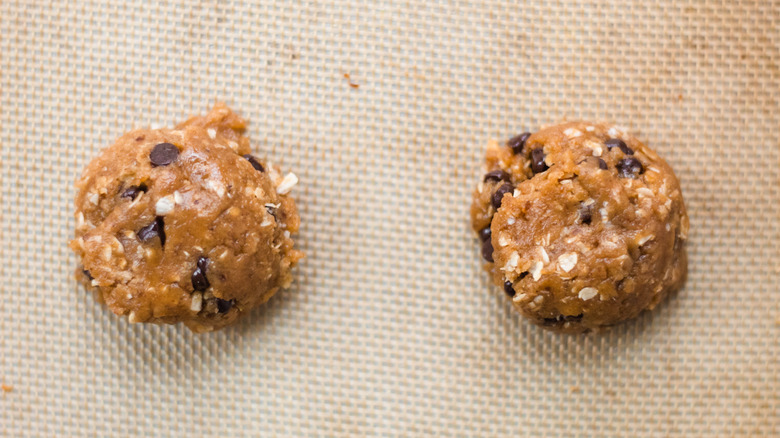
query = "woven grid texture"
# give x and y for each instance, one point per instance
(391, 328)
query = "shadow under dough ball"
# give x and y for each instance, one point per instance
(184, 225)
(581, 224)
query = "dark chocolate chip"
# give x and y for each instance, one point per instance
(199, 280)
(522, 275)
(602, 164)
(484, 234)
(629, 167)
(133, 191)
(155, 229)
(487, 250)
(612, 142)
(498, 196)
(518, 143)
(148, 232)
(87, 274)
(537, 161)
(509, 289)
(224, 305)
(163, 154)
(496, 175)
(253, 161)
(586, 213)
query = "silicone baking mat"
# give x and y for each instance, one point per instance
(391, 327)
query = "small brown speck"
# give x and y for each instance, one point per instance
(349, 81)
(141, 138)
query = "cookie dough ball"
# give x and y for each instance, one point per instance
(581, 224)
(183, 225)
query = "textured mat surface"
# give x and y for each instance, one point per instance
(391, 327)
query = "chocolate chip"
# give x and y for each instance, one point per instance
(148, 232)
(87, 274)
(523, 275)
(602, 164)
(199, 280)
(224, 305)
(253, 161)
(270, 209)
(484, 234)
(496, 175)
(509, 289)
(498, 196)
(203, 263)
(163, 154)
(518, 143)
(612, 142)
(155, 229)
(630, 167)
(133, 191)
(487, 250)
(537, 161)
(586, 213)
(139, 138)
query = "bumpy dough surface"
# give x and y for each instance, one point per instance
(200, 240)
(584, 237)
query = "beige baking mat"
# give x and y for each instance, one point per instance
(391, 327)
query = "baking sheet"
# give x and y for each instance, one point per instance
(391, 328)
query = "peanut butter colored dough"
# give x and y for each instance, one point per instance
(581, 224)
(183, 225)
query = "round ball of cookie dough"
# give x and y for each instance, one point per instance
(183, 225)
(581, 224)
